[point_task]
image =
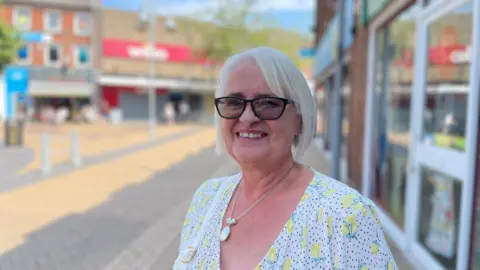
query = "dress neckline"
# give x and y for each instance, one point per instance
(234, 182)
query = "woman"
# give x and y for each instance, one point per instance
(276, 213)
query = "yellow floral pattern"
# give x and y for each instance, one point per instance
(333, 227)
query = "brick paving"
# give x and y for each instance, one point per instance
(72, 222)
(124, 213)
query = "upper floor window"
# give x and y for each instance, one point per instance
(24, 55)
(22, 18)
(52, 21)
(82, 24)
(82, 55)
(52, 55)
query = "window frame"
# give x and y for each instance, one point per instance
(46, 55)
(15, 18)
(46, 15)
(76, 23)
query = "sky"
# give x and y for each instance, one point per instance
(296, 15)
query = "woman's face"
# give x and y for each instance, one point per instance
(249, 139)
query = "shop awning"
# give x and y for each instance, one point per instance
(171, 84)
(60, 89)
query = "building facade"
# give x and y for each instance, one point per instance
(60, 42)
(414, 120)
(179, 74)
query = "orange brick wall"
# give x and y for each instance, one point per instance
(66, 39)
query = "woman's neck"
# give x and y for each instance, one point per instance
(257, 181)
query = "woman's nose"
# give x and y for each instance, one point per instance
(248, 116)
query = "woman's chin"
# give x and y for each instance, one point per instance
(250, 155)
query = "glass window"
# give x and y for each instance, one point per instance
(53, 21)
(23, 55)
(394, 82)
(53, 54)
(448, 75)
(22, 18)
(82, 55)
(439, 218)
(82, 24)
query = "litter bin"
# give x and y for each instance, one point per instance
(14, 133)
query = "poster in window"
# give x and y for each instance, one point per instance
(441, 235)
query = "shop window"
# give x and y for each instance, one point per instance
(448, 76)
(82, 24)
(395, 44)
(82, 55)
(22, 18)
(24, 55)
(52, 55)
(52, 21)
(439, 218)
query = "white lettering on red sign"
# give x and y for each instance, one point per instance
(461, 56)
(147, 52)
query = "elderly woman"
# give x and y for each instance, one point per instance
(276, 213)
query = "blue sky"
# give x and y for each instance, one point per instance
(296, 15)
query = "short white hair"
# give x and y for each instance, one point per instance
(285, 80)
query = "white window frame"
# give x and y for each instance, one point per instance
(76, 54)
(407, 240)
(76, 24)
(15, 18)
(46, 56)
(46, 26)
(28, 60)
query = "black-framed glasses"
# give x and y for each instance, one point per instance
(264, 108)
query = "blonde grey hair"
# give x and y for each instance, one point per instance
(284, 80)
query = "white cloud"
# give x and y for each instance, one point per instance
(195, 6)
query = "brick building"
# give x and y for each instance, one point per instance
(180, 74)
(411, 117)
(61, 39)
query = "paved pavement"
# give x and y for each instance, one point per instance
(119, 211)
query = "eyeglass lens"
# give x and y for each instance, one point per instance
(265, 108)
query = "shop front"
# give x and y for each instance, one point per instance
(421, 117)
(127, 79)
(325, 66)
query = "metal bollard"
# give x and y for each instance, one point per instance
(45, 155)
(76, 159)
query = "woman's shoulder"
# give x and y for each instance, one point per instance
(213, 185)
(337, 197)
(207, 191)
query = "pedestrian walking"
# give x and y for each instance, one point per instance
(169, 113)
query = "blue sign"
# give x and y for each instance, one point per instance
(33, 37)
(326, 53)
(307, 52)
(16, 82)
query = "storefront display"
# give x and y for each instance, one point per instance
(421, 135)
(394, 91)
(440, 212)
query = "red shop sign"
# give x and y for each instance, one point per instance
(137, 50)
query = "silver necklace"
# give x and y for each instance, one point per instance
(225, 233)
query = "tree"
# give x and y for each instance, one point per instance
(10, 41)
(238, 27)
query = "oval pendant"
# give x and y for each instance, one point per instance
(187, 254)
(225, 234)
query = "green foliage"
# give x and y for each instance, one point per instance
(10, 41)
(236, 27)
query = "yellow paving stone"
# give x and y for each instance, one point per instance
(29, 208)
(93, 140)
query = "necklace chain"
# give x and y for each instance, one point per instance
(259, 200)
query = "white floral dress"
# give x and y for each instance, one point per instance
(333, 227)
